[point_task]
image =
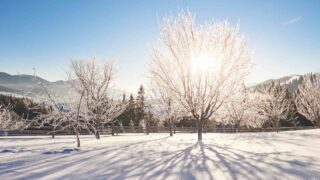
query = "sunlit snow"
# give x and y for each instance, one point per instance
(286, 155)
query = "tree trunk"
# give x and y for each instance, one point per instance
(78, 139)
(199, 134)
(277, 124)
(237, 127)
(170, 127)
(205, 128)
(97, 134)
(53, 134)
(200, 130)
(148, 125)
(112, 129)
(148, 130)
(174, 128)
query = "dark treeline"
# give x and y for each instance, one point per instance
(22, 106)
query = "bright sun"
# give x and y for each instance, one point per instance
(203, 63)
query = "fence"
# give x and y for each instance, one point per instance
(153, 129)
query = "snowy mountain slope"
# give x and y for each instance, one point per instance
(286, 155)
(28, 85)
(19, 81)
(291, 82)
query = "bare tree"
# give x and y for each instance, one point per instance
(50, 119)
(238, 110)
(166, 107)
(308, 98)
(274, 104)
(8, 121)
(94, 81)
(201, 65)
(110, 110)
(68, 112)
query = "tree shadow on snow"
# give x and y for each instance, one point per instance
(161, 159)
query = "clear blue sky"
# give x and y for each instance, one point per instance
(43, 34)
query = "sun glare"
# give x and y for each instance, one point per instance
(203, 63)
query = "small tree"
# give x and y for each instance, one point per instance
(274, 104)
(68, 112)
(131, 111)
(238, 110)
(93, 81)
(48, 119)
(308, 98)
(202, 65)
(166, 107)
(140, 106)
(8, 121)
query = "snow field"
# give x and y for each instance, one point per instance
(287, 155)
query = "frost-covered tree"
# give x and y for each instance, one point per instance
(202, 65)
(68, 112)
(308, 98)
(274, 104)
(50, 119)
(166, 107)
(9, 121)
(239, 109)
(94, 81)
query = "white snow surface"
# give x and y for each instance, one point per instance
(286, 155)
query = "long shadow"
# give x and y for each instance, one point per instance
(235, 164)
(163, 159)
(32, 164)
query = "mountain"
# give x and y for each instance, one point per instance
(291, 82)
(28, 85)
(19, 82)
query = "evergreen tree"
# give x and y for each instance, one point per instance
(140, 105)
(131, 111)
(123, 119)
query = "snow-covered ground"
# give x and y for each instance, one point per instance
(287, 155)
